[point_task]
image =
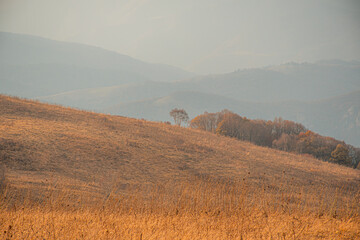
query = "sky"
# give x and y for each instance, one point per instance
(201, 36)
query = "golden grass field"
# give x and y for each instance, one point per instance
(73, 174)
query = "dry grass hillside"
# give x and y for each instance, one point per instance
(157, 181)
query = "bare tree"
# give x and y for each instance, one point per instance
(179, 116)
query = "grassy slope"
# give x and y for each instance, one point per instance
(281, 195)
(39, 140)
(43, 140)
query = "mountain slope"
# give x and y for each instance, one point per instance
(292, 81)
(102, 98)
(288, 82)
(96, 152)
(33, 66)
(337, 117)
(195, 103)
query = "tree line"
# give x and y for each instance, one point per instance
(279, 134)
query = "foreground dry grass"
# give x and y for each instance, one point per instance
(33, 224)
(197, 210)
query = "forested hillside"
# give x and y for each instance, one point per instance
(280, 134)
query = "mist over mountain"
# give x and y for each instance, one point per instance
(200, 36)
(32, 66)
(288, 82)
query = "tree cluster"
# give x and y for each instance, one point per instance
(280, 134)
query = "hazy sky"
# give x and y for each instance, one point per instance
(203, 36)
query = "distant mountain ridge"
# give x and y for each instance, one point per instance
(34, 66)
(292, 81)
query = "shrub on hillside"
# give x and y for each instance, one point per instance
(207, 121)
(341, 155)
(286, 143)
